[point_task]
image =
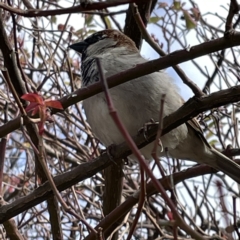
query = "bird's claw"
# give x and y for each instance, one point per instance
(146, 127)
(110, 151)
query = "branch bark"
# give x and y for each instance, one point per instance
(86, 170)
(140, 70)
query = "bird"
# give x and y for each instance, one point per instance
(137, 101)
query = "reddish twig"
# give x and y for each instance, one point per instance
(157, 141)
(137, 153)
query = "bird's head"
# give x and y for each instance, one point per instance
(102, 41)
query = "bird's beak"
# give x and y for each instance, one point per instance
(79, 46)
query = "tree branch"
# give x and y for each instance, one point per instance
(140, 70)
(86, 170)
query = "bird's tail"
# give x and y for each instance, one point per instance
(226, 165)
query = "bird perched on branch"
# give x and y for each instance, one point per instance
(138, 101)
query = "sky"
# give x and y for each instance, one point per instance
(204, 6)
(148, 53)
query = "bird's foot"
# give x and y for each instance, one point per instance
(85, 3)
(146, 127)
(110, 151)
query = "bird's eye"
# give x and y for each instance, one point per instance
(115, 35)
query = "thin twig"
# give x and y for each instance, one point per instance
(3, 145)
(233, 9)
(66, 208)
(158, 142)
(138, 154)
(77, 9)
(196, 90)
(140, 203)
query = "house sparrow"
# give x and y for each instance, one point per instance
(138, 101)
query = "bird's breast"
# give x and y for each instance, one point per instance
(136, 102)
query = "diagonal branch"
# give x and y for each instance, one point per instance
(188, 110)
(140, 70)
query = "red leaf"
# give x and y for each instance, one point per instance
(33, 97)
(35, 110)
(39, 105)
(53, 104)
(33, 106)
